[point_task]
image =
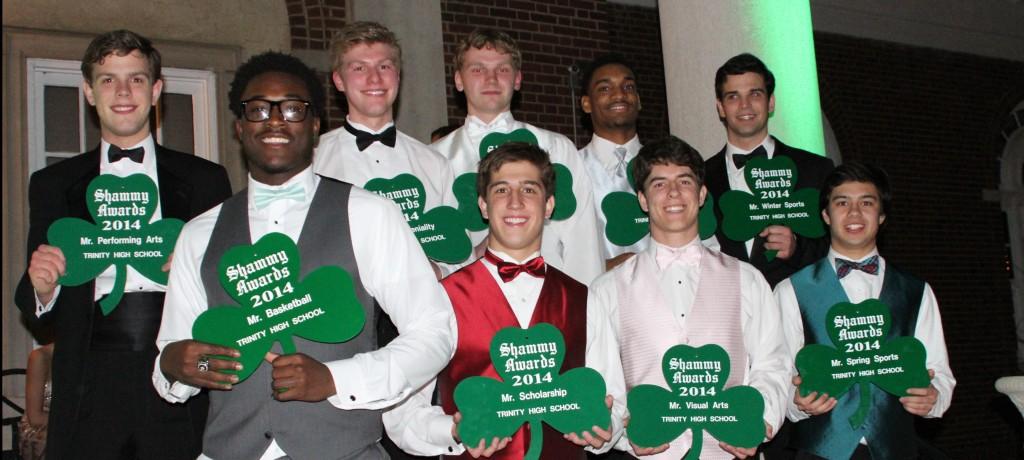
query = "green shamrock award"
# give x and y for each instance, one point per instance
(122, 235)
(464, 187)
(864, 354)
(773, 201)
(274, 304)
(531, 391)
(697, 401)
(439, 231)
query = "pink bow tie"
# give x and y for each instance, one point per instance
(686, 255)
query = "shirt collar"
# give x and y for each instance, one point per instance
(148, 159)
(500, 122)
(654, 244)
(604, 149)
(508, 258)
(363, 127)
(306, 179)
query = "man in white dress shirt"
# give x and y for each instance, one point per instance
(487, 70)
(324, 400)
(612, 100)
(678, 291)
(854, 202)
(367, 60)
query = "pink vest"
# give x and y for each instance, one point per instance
(648, 327)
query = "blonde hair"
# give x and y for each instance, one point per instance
(363, 33)
(489, 38)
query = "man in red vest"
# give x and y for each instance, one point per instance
(510, 286)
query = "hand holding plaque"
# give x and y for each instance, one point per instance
(531, 391)
(864, 353)
(773, 201)
(274, 304)
(696, 401)
(122, 235)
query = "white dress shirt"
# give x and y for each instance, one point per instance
(134, 281)
(392, 268)
(860, 286)
(338, 157)
(573, 244)
(420, 428)
(607, 172)
(769, 367)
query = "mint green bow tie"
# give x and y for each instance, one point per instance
(262, 197)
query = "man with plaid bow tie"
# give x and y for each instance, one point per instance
(854, 203)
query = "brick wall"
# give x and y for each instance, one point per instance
(635, 32)
(313, 24)
(932, 119)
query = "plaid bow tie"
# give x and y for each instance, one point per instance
(869, 266)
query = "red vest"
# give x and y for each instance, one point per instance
(481, 311)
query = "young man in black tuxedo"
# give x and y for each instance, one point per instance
(103, 403)
(744, 90)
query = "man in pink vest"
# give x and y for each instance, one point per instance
(679, 292)
(511, 286)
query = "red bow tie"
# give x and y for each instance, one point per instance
(508, 271)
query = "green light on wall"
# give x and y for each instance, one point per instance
(783, 30)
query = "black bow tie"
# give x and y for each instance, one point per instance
(365, 139)
(115, 154)
(740, 159)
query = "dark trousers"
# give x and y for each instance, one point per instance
(122, 416)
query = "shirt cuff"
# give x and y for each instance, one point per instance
(439, 433)
(176, 392)
(352, 391)
(42, 309)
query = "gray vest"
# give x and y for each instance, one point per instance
(243, 421)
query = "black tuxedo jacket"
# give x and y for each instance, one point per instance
(811, 172)
(189, 185)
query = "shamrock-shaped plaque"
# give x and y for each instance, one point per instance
(274, 304)
(863, 354)
(439, 231)
(122, 235)
(464, 187)
(696, 401)
(531, 391)
(773, 201)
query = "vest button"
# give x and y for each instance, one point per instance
(267, 435)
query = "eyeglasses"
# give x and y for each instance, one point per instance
(293, 110)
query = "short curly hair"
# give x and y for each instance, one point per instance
(272, 61)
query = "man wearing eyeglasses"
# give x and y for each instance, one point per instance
(323, 401)
(103, 405)
(367, 62)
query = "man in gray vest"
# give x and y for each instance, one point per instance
(323, 401)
